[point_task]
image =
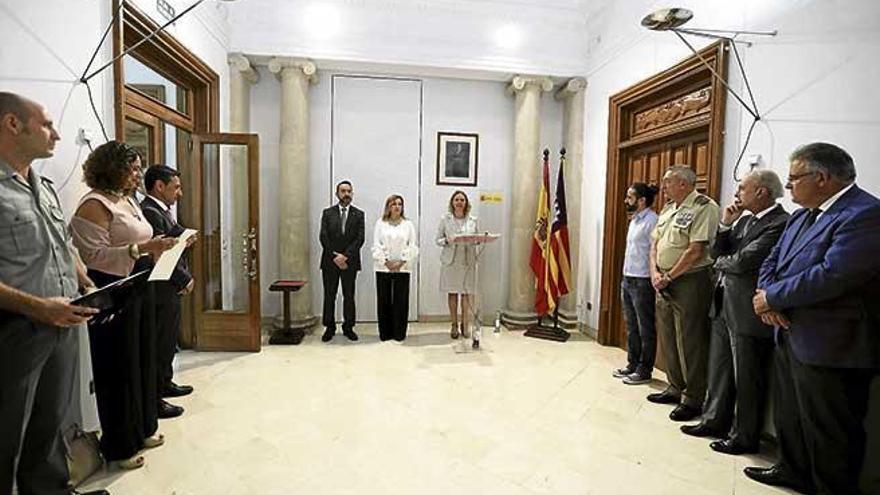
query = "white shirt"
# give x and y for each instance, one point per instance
(394, 242)
(833, 199)
(758, 216)
(159, 202)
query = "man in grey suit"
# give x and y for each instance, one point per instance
(741, 344)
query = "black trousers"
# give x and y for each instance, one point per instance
(638, 297)
(331, 278)
(819, 416)
(167, 331)
(38, 369)
(124, 368)
(392, 304)
(737, 393)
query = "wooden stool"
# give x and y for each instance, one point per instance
(286, 335)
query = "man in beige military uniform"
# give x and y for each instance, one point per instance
(681, 275)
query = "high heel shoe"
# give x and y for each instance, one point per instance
(465, 332)
(154, 441)
(135, 462)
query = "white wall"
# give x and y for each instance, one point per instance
(812, 82)
(46, 47)
(450, 105)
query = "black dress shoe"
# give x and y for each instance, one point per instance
(776, 475)
(350, 334)
(328, 335)
(701, 430)
(94, 492)
(664, 397)
(730, 447)
(685, 413)
(168, 410)
(175, 390)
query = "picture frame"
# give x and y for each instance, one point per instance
(458, 155)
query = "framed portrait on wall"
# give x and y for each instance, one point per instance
(457, 158)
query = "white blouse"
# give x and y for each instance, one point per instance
(395, 243)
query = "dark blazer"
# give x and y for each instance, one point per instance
(162, 225)
(333, 240)
(738, 257)
(827, 282)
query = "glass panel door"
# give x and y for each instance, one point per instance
(225, 205)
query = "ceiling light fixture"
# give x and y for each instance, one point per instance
(671, 19)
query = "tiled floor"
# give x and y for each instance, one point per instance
(522, 416)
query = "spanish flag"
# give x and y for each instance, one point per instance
(558, 265)
(538, 256)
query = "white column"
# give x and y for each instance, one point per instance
(572, 93)
(293, 206)
(241, 77)
(520, 308)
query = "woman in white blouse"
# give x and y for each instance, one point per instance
(394, 254)
(457, 261)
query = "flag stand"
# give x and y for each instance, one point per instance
(546, 332)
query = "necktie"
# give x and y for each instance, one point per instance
(169, 215)
(344, 218)
(809, 221)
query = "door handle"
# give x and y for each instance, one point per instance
(252, 254)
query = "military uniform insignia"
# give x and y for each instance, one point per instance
(684, 218)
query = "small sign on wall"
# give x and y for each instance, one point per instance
(490, 197)
(165, 9)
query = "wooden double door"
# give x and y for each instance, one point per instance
(673, 118)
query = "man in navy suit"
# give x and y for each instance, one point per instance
(163, 187)
(820, 287)
(342, 235)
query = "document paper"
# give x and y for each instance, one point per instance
(165, 266)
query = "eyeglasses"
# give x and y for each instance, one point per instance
(797, 177)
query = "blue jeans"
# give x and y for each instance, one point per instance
(637, 295)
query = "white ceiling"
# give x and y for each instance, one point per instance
(497, 37)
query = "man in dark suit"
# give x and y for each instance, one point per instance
(741, 344)
(342, 235)
(819, 287)
(163, 188)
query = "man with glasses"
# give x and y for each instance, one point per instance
(819, 288)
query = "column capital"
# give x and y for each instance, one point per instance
(239, 62)
(285, 66)
(519, 83)
(572, 87)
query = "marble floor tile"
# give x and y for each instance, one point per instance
(520, 417)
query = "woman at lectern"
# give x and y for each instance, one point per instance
(457, 261)
(111, 234)
(395, 248)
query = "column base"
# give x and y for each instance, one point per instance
(515, 320)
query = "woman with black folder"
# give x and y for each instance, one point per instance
(111, 235)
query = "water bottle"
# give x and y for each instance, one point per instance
(497, 330)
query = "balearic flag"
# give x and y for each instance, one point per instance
(538, 256)
(558, 265)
